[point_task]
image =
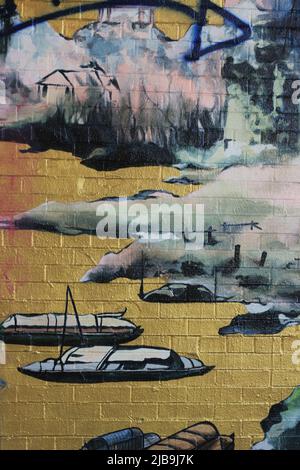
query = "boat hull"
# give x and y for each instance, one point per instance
(70, 339)
(167, 300)
(89, 377)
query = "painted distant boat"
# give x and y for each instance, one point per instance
(180, 292)
(52, 329)
(115, 364)
(270, 322)
(125, 439)
(201, 436)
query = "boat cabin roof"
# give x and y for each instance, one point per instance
(98, 355)
(184, 286)
(56, 320)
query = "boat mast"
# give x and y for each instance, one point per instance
(215, 283)
(263, 259)
(141, 295)
(76, 314)
(69, 294)
(64, 327)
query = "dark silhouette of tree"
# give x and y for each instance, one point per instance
(7, 11)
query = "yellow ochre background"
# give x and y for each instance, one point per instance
(251, 373)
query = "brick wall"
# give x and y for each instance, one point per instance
(251, 373)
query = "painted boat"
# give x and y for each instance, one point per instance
(181, 292)
(269, 322)
(52, 329)
(124, 439)
(115, 364)
(200, 436)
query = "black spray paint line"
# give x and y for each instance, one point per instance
(199, 17)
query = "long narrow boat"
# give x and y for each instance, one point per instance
(200, 436)
(124, 439)
(52, 329)
(115, 364)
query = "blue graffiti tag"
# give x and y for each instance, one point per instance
(199, 17)
(197, 51)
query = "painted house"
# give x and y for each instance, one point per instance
(76, 84)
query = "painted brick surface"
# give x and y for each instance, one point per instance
(251, 373)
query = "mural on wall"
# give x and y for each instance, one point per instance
(121, 93)
(240, 261)
(102, 106)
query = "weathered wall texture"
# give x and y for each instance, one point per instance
(223, 127)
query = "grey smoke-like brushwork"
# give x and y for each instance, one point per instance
(141, 125)
(246, 195)
(256, 209)
(76, 218)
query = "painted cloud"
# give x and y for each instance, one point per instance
(135, 120)
(251, 236)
